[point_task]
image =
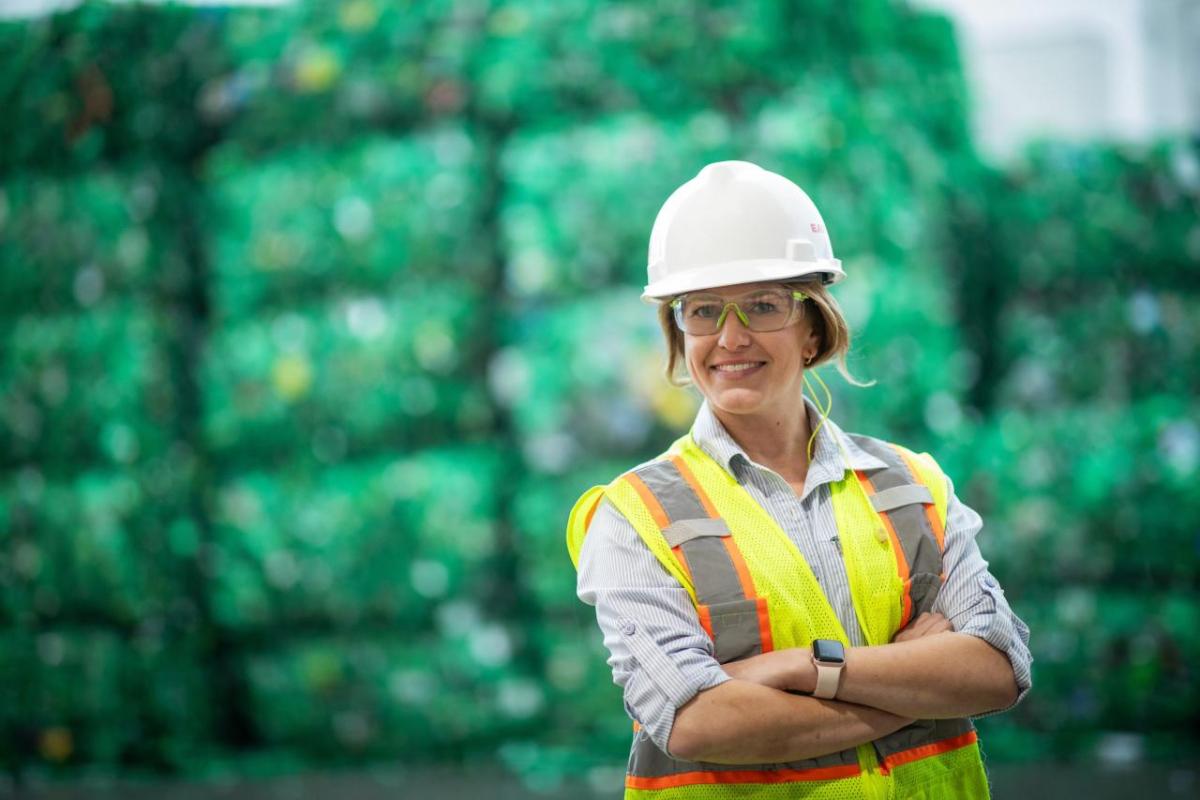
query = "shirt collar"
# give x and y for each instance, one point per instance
(829, 462)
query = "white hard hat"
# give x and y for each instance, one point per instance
(736, 222)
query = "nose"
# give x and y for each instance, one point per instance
(734, 335)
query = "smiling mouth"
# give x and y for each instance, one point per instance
(741, 366)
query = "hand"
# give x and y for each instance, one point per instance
(927, 624)
(785, 670)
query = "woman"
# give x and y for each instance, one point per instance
(792, 611)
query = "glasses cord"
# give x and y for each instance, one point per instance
(823, 410)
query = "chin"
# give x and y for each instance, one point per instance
(737, 401)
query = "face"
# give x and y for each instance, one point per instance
(740, 371)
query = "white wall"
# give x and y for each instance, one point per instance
(1078, 69)
(34, 8)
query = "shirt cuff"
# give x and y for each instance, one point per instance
(663, 683)
(997, 625)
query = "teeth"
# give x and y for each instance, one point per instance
(735, 367)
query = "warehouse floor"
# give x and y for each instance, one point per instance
(1020, 783)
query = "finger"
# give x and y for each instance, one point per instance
(914, 630)
(920, 626)
(932, 622)
(936, 623)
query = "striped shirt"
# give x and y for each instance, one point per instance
(659, 653)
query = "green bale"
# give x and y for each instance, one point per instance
(1109, 661)
(572, 400)
(347, 376)
(679, 56)
(88, 696)
(87, 388)
(1077, 216)
(107, 82)
(580, 201)
(406, 696)
(102, 546)
(323, 72)
(586, 706)
(67, 244)
(372, 218)
(539, 511)
(1089, 493)
(381, 542)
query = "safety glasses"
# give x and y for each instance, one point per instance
(762, 310)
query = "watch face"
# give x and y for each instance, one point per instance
(829, 650)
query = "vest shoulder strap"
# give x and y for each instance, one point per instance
(585, 507)
(580, 519)
(702, 545)
(909, 496)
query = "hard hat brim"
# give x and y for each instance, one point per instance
(733, 273)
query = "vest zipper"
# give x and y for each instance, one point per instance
(875, 785)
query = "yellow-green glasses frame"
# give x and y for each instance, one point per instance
(761, 323)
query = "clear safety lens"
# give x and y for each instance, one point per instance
(762, 310)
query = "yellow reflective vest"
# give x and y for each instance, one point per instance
(754, 592)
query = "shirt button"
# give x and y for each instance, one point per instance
(629, 629)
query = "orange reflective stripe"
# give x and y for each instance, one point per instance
(931, 514)
(637, 726)
(764, 625)
(901, 561)
(906, 603)
(743, 776)
(690, 477)
(743, 572)
(735, 556)
(935, 524)
(926, 750)
(739, 565)
(652, 505)
(897, 551)
(682, 559)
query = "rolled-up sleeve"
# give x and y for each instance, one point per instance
(658, 652)
(972, 599)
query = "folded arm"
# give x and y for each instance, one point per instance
(927, 672)
(754, 718)
(742, 722)
(674, 687)
(969, 657)
(934, 677)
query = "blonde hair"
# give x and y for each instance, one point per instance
(819, 309)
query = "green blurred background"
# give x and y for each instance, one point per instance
(316, 319)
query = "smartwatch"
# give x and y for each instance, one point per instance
(829, 656)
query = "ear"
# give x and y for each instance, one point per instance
(810, 344)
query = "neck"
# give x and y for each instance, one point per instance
(778, 441)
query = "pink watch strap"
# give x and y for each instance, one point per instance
(828, 676)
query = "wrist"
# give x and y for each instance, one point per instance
(803, 677)
(829, 662)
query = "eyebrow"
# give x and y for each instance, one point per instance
(750, 293)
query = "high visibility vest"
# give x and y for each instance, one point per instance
(754, 592)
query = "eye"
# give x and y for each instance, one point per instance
(703, 310)
(765, 304)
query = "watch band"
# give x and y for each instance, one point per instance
(829, 657)
(828, 676)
